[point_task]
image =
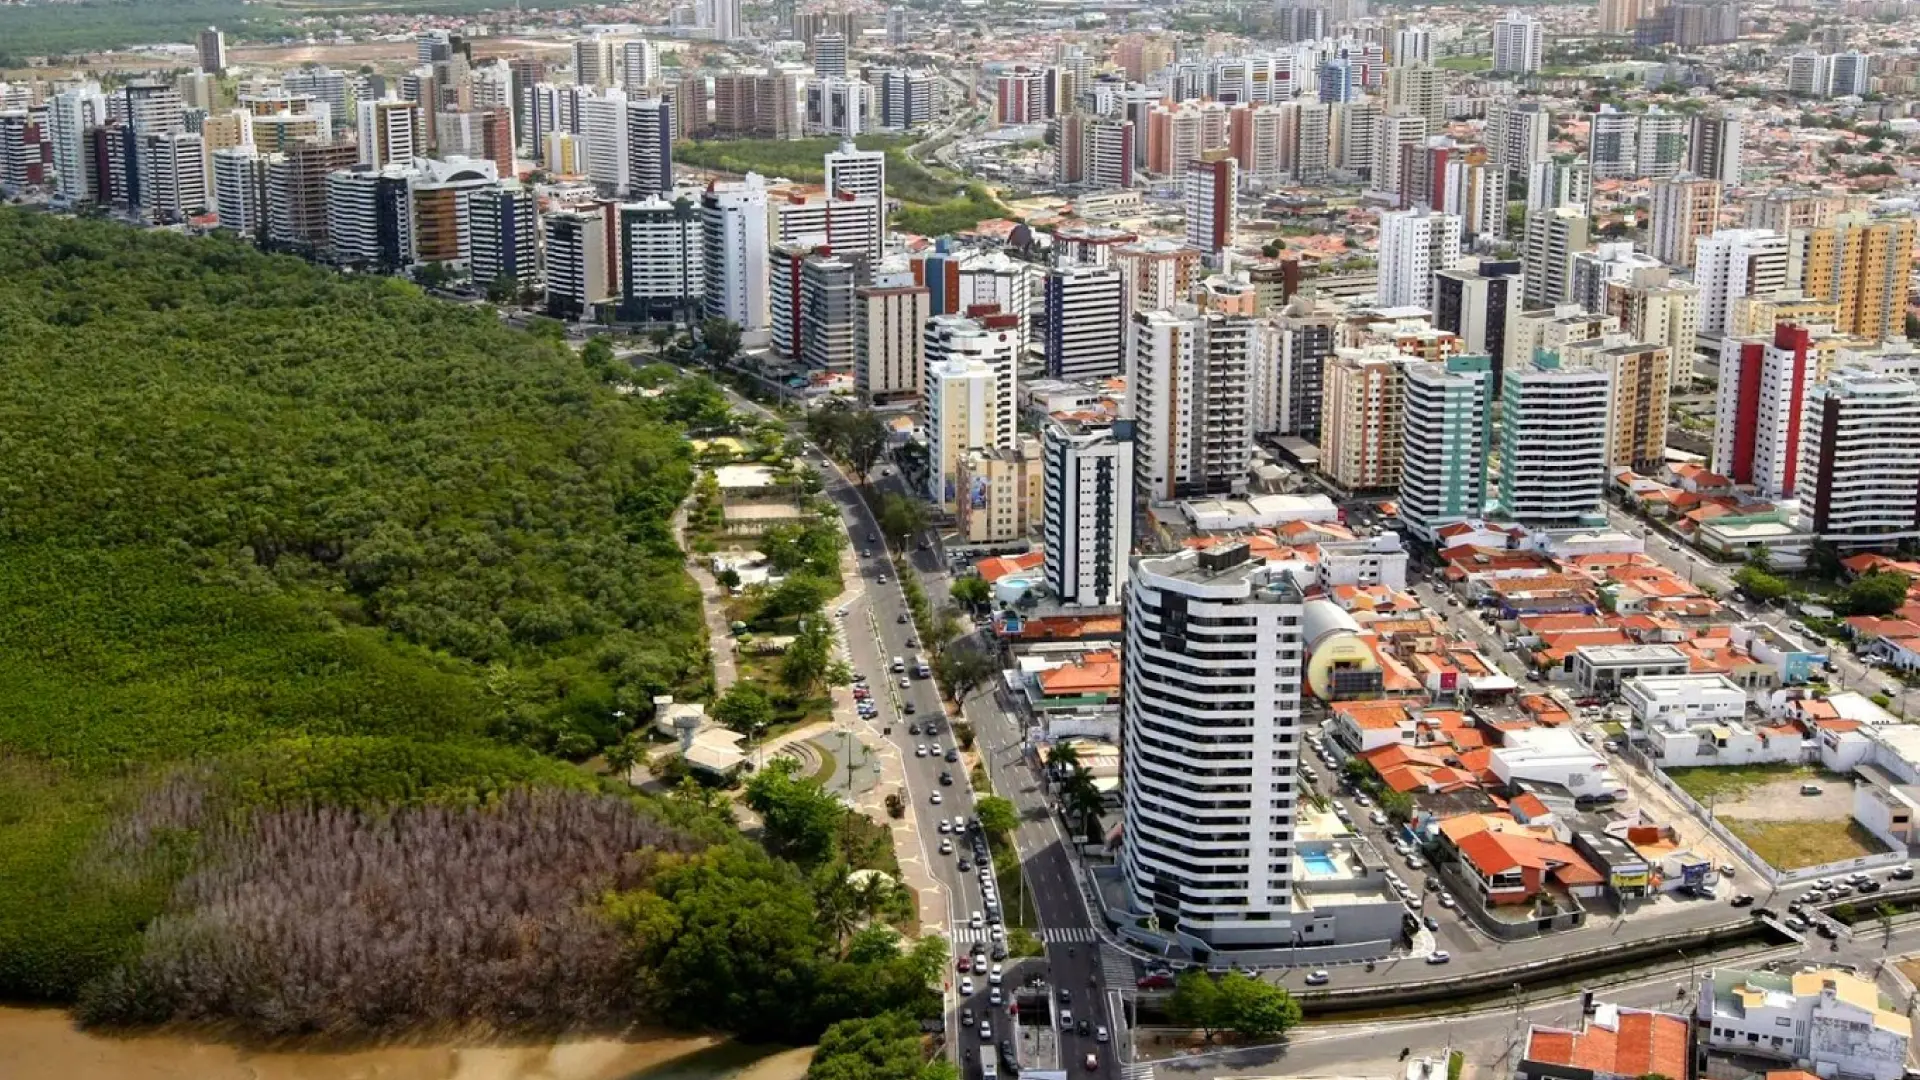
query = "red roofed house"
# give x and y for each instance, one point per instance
(1514, 867)
(1615, 1044)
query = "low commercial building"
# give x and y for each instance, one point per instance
(1839, 1023)
(1602, 669)
(1555, 757)
(1702, 720)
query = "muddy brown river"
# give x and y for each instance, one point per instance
(43, 1044)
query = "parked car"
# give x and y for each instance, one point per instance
(1155, 981)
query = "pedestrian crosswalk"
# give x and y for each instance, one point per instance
(1052, 935)
(1137, 1070)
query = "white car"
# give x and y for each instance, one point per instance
(1377, 818)
(1414, 862)
(1438, 956)
(986, 1030)
(1360, 799)
(1066, 1019)
(1447, 901)
(966, 986)
(993, 996)
(944, 827)
(920, 750)
(934, 798)
(946, 847)
(993, 975)
(1100, 1034)
(1319, 978)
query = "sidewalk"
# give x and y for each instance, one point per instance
(713, 599)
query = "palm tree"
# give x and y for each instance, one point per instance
(836, 905)
(1065, 755)
(873, 894)
(1083, 800)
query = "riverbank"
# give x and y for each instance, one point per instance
(44, 1044)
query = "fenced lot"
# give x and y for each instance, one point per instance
(1763, 806)
(1791, 845)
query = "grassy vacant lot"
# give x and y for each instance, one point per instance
(1464, 63)
(1789, 845)
(934, 202)
(1708, 782)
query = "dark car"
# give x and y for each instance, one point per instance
(1903, 873)
(954, 755)
(1431, 922)
(1827, 931)
(1083, 1027)
(911, 708)
(946, 779)
(1869, 886)
(1007, 1056)
(913, 729)
(1764, 913)
(1066, 995)
(1743, 900)
(966, 1017)
(964, 865)
(999, 951)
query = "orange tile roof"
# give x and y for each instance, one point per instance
(1373, 715)
(1495, 850)
(1645, 1043)
(1529, 804)
(993, 569)
(1070, 627)
(1096, 673)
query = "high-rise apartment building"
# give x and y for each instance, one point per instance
(213, 51)
(1192, 385)
(845, 223)
(639, 65)
(1212, 195)
(1516, 136)
(1519, 42)
(827, 315)
(1764, 388)
(971, 370)
(1642, 384)
(1733, 263)
(1784, 210)
(1020, 96)
(650, 135)
(578, 275)
(1211, 851)
(889, 346)
(1552, 329)
(1862, 265)
(1476, 306)
(1414, 244)
(1082, 331)
(663, 260)
(1552, 239)
(505, 224)
(70, 113)
(297, 194)
(1419, 90)
(604, 127)
(1304, 335)
(370, 219)
(1715, 149)
(594, 62)
(863, 175)
(830, 55)
(240, 191)
(173, 176)
(1859, 464)
(1087, 491)
(388, 130)
(1552, 184)
(1553, 443)
(1361, 423)
(1653, 308)
(734, 218)
(1394, 135)
(1684, 208)
(1446, 440)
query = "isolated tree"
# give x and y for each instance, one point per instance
(800, 817)
(744, 708)
(1877, 593)
(1760, 585)
(805, 665)
(901, 517)
(1196, 1003)
(720, 339)
(971, 591)
(997, 815)
(623, 755)
(1254, 1009)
